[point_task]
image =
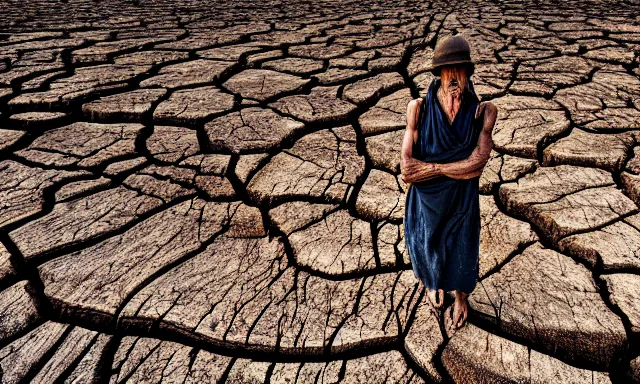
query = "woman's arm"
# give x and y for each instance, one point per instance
(467, 168)
(413, 169)
(473, 165)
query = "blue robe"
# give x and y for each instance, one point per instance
(442, 214)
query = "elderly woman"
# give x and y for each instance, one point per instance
(445, 148)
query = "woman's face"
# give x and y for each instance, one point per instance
(452, 87)
(451, 77)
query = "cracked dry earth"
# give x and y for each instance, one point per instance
(200, 193)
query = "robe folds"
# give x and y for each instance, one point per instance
(442, 214)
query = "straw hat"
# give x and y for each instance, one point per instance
(451, 50)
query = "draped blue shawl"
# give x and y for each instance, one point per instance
(442, 214)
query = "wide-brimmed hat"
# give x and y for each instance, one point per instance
(451, 50)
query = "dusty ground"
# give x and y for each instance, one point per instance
(196, 192)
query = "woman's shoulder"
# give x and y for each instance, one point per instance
(485, 106)
(415, 103)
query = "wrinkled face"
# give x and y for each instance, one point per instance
(454, 80)
(452, 87)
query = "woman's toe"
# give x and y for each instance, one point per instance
(439, 298)
(431, 297)
(462, 319)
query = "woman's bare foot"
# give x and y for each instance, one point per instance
(436, 297)
(460, 309)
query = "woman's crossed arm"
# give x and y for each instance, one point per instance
(414, 170)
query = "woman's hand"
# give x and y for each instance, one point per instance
(414, 170)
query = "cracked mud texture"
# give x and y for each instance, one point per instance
(206, 192)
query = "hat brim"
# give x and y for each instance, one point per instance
(435, 69)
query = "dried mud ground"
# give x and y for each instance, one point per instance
(195, 192)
